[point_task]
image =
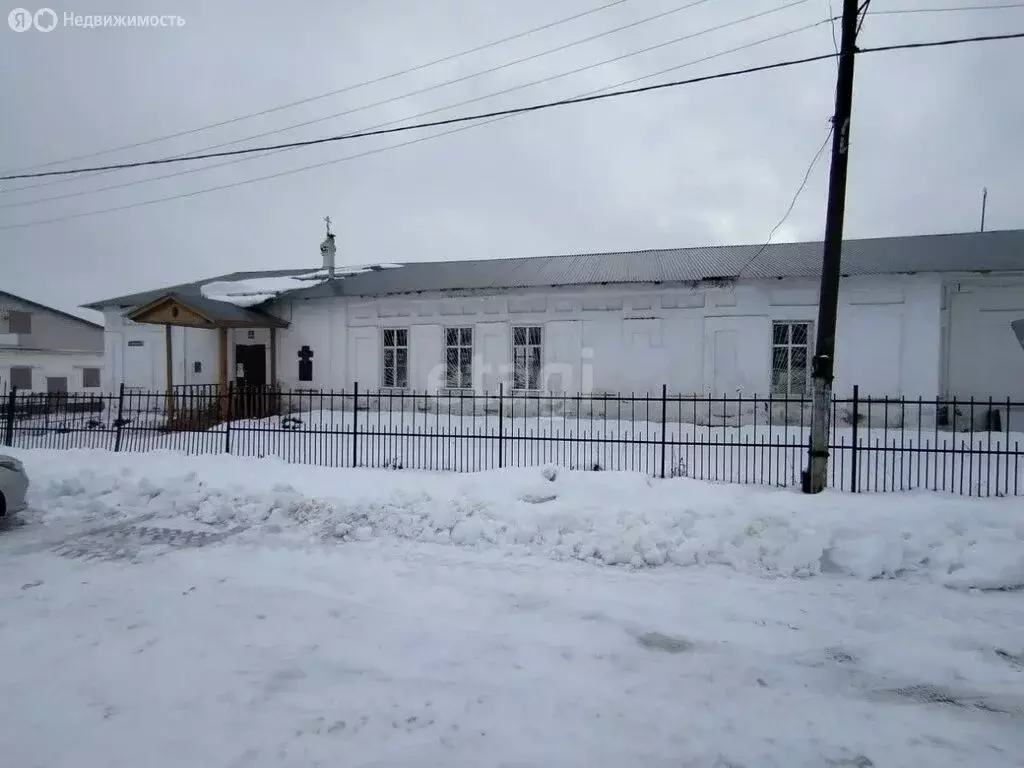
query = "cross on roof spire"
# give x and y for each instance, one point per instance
(327, 221)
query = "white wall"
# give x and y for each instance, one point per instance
(632, 338)
(135, 353)
(50, 364)
(984, 357)
(599, 338)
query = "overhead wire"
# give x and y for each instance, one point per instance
(520, 110)
(206, 155)
(467, 121)
(383, 102)
(792, 203)
(335, 92)
(550, 78)
(334, 161)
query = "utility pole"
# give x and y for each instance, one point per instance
(823, 364)
(984, 203)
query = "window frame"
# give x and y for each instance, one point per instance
(99, 377)
(384, 347)
(460, 346)
(527, 346)
(789, 346)
(19, 368)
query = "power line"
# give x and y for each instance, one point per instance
(489, 70)
(547, 79)
(335, 92)
(520, 110)
(202, 151)
(832, 18)
(863, 11)
(792, 203)
(990, 7)
(313, 166)
(201, 154)
(496, 116)
(427, 89)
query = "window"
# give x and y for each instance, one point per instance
(21, 377)
(791, 358)
(526, 357)
(458, 358)
(396, 358)
(90, 378)
(57, 385)
(19, 322)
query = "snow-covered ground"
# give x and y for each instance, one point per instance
(167, 610)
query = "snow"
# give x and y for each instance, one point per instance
(257, 290)
(163, 610)
(602, 518)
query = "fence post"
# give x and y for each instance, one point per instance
(355, 424)
(9, 426)
(854, 418)
(501, 424)
(664, 409)
(119, 424)
(227, 416)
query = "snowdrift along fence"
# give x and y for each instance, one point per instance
(970, 447)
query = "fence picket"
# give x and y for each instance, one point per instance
(735, 439)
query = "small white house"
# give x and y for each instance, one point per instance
(45, 350)
(921, 316)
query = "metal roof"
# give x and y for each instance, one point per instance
(54, 310)
(999, 251)
(223, 312)
(190, 289)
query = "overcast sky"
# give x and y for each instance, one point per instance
(709, 163)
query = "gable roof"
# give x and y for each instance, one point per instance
(997, 251)
(218, 313)
(54, 310)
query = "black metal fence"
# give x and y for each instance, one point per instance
(968, 447)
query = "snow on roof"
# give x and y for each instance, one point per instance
(251, 291)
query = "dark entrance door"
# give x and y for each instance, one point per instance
(250, 365)
(252, 399)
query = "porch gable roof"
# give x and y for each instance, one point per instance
(201, 312)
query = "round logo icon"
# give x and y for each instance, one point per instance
(45, 19)
(19, 20)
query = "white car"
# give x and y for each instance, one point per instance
(13, 485)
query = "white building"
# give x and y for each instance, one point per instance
(45, 350)
(921, 316)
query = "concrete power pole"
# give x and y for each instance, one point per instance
(823, 364)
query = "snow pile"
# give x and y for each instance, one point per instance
(610, 518)
(256, 290)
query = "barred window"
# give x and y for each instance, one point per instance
(526, 356)
(458, 358)
(791, 358)
(396, 358)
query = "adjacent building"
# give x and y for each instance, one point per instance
(43, 349)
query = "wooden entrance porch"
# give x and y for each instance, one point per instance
(248, 391)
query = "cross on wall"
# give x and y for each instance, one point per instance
(305, 364)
